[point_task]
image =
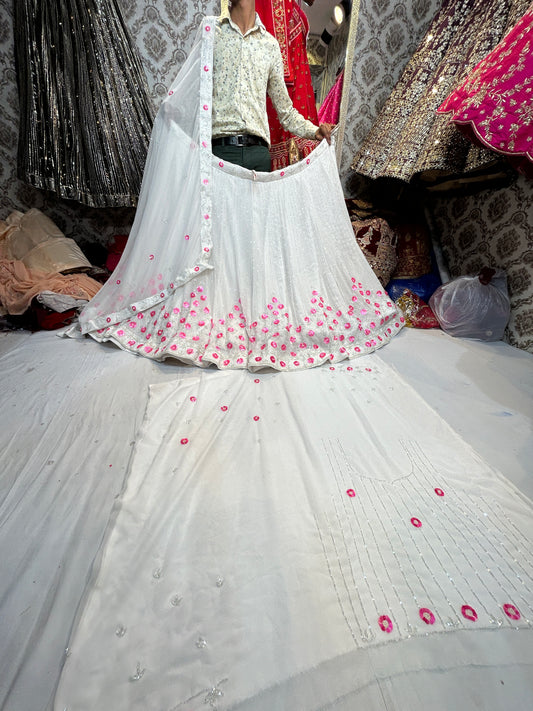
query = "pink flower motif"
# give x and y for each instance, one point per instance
(282, 173)
(150, 257)
(187, 237)
(221, 164)
(206, 217)
(385, 623)
(426, 616)
(350, 492)
(417, 523)
(439, 492)
(349, 368)
(308, 161)
(511, 611)
(192, 398)
(226, 362)
(282, 363)
(206, 68)
(205, 181)
(256, 418)
(207, 28)
(469, 613)
(224, 408)
(206, 107)
(257, 380)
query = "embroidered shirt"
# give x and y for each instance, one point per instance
(246, 68)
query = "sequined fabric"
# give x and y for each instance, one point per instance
(408, 138)
(85, 111)
(494, 105)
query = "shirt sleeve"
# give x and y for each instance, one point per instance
(291, 119)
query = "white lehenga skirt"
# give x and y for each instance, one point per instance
(237, 268)
(288, 286)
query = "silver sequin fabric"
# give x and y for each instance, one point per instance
(85, 111)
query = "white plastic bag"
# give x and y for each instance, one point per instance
(473, 306)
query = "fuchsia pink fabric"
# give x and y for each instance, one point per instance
(494, 105)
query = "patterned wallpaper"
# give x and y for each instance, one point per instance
(493, 228)
(388, 32)
(163, 31)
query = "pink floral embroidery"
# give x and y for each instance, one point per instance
(192, 398)
(221, 164)
(385, 623)
(511, 611)
(207, 28)
(350, 492)
(427, 616)
(224, 408)
(206, 107)
(417, 523)
(256, 418)
(439, 492)
(469, 613)
(150, 257)
(206, 68)
(256, 380)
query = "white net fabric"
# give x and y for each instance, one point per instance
(232, 267)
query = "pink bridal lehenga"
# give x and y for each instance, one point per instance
(493, 106)
(232, 267)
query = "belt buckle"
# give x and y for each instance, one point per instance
(241, 140)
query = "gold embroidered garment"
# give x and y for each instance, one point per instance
(408, 137)
(246, 68)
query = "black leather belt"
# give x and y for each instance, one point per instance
(243, 139)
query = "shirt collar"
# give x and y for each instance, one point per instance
(225, 18)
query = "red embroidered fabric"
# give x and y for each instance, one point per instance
(288, 23)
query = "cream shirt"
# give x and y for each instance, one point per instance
(246, 68)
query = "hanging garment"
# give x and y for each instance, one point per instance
(227, 266)
(331, 106)
(288, 23)
(86, 114)
(409, 138)
(493, 107)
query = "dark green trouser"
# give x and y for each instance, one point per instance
(252, 157)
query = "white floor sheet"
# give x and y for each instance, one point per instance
(261, 563)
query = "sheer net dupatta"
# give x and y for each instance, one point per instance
(170, 241)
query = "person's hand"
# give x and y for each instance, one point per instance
(324, 131)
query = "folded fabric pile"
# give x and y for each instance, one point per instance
(37, 260)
